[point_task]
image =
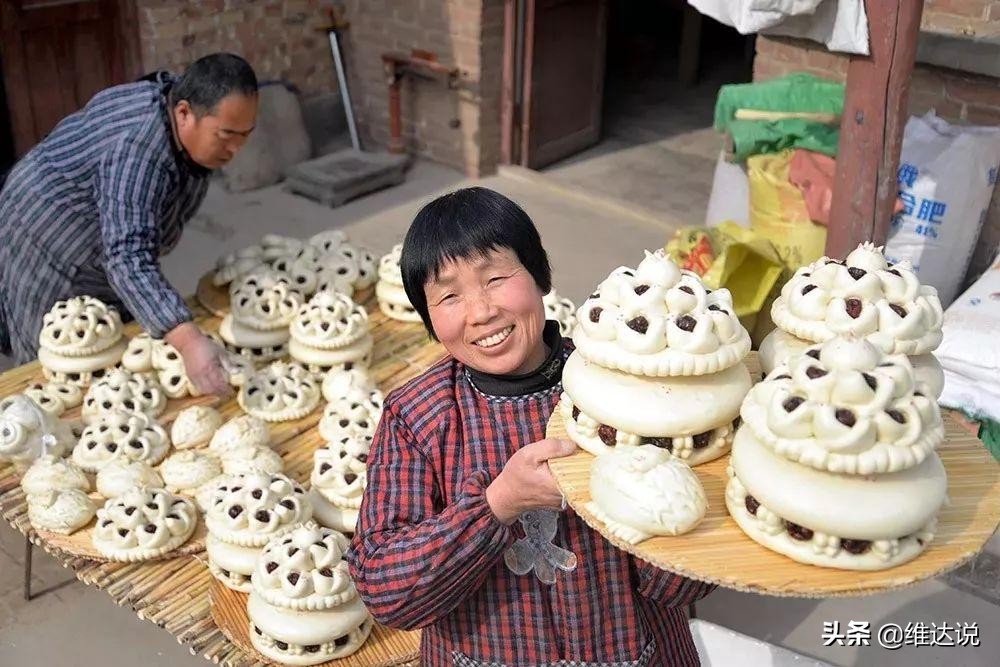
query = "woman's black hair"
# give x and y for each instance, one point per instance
(207, 81)
(464, 224)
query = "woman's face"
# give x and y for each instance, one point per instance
(488, 313)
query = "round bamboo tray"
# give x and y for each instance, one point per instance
(215, 299)
(81, 545)
(384, 648)
(717, 551)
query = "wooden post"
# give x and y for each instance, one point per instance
(871, 130)
(507, 94)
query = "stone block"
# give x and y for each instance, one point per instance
(339, 177)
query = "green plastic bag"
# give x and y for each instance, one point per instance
(989, 433)
(799, 92)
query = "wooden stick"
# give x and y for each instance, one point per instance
(759, 114)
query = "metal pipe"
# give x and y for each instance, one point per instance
(345, 94)
(396, 67)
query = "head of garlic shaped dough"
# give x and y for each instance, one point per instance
(649, 490)
(27, 432)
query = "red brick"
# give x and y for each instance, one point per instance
(981, 115)
(964, 8)
(948, 23)
(974, 90)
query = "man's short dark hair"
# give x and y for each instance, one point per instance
(210, 79)
(464, 224)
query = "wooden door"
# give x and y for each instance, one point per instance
(564, 58)
(57, 54)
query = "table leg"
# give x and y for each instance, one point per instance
(28, 549)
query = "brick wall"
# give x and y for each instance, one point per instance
(459, 127)
(278, 37)
(969, 17)
(955, 96)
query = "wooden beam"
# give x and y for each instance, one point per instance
(507, 90)
(871, 130)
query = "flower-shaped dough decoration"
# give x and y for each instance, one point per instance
(143, 523)
(124, 390)
(80, 326)
(305, 569)
(861, 296)
(280, 392)
(845, 407)
(330, 320)
(118, 435)
(264, 301)
(658, 320)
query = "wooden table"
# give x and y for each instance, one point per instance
(173, 593)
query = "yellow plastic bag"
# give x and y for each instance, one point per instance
(778, 211)
(732, 257)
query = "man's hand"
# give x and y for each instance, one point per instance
(526, 482)
(202, 359)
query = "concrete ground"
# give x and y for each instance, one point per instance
(586, 239)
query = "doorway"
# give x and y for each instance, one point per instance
(56, 55)
(662, 64)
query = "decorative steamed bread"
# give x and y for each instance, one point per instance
(339, 475)
(194, 427)
(338, 481)
(389, 291)
(561, 310)
(692, 417)
(245, 511)
(52, 472)
(80, 339)
(241, 431)
(122, 475)
(124, 390)
(187, 471)
(63, 511)
(356, 412)
(862, 296)
(835, 464)
(280, 392)
(639, 492)
(27, 432)
(143, 523)
(330, 331)
(325, 260)
(303, 606)
(120, 435)
(145, 354)
(56, 492)
(657, 320)
(55, 398)
(262, 304)
(627, 324)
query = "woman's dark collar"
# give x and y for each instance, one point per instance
(546, 376)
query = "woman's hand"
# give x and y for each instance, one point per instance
(202, 359)
(526, 482)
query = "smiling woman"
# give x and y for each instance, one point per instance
(460, 455)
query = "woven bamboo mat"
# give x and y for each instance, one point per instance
(719, 552)
(384, 647)
(174, 593)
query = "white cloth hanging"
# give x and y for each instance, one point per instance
(842, 25)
